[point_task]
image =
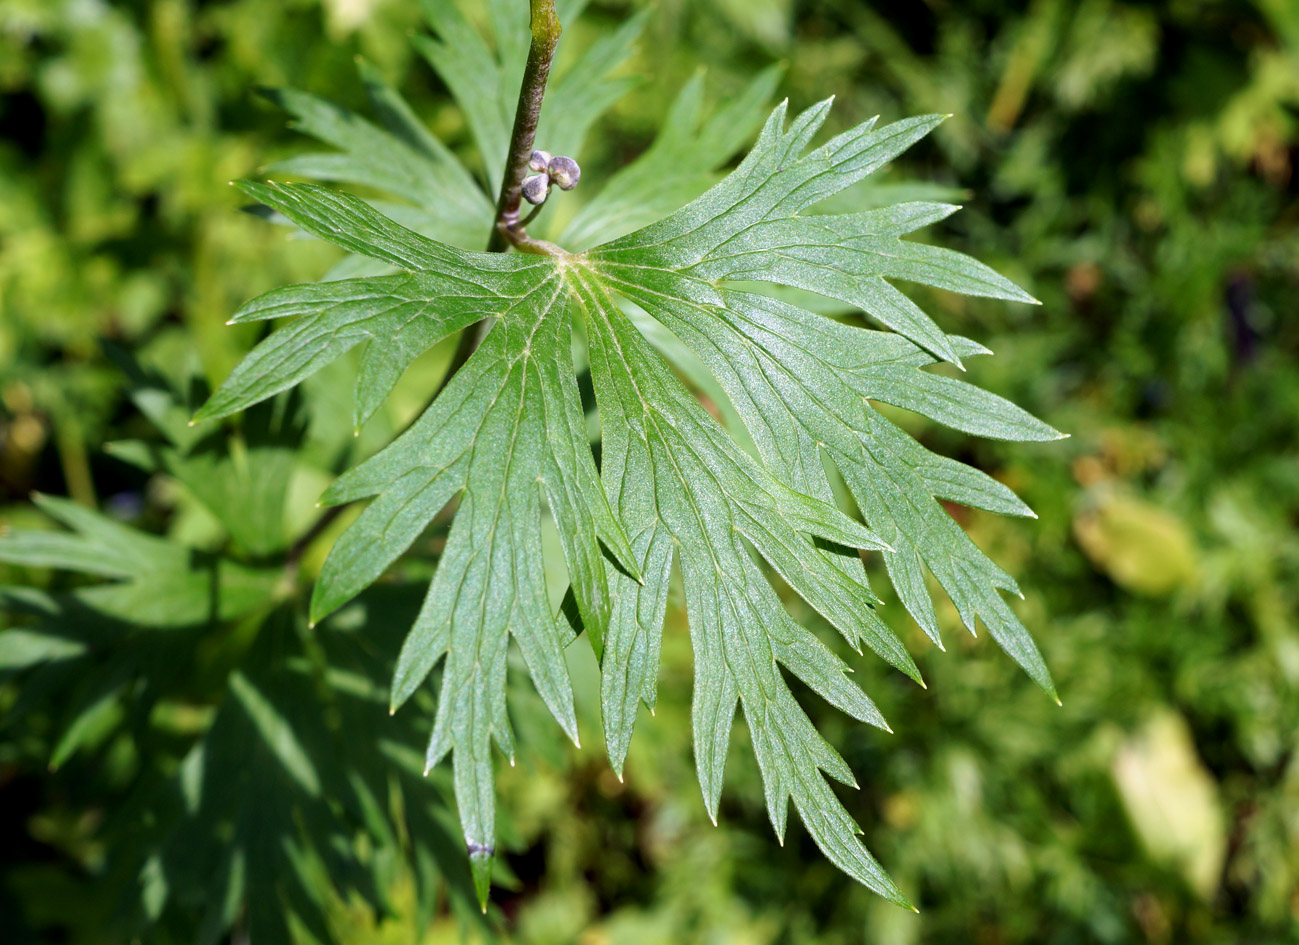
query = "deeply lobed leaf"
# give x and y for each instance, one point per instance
(281, 760)
(675, 489)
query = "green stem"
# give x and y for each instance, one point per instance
(510, 225)
(509, 229)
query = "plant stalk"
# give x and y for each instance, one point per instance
(509, 229)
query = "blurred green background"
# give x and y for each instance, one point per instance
(1130, 163)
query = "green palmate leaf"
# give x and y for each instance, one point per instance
(101, 634)
(508, 435)
(157, 584)
(292, 754)
(400, 160)
(265, 807)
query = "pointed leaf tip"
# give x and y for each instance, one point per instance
(480, 865)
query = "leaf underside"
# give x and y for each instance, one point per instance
(674, 489)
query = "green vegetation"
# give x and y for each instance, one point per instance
(183, 758)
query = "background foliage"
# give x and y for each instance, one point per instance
(1130, 164)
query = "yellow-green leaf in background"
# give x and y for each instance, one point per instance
(1172, 800)
(1142, 547)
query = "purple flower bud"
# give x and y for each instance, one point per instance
(539, 161)
(564, 172)
(536, 188)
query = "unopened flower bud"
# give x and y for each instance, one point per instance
(564, 172)
(535, 188)
(539, 161)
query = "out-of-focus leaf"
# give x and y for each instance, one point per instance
(1143, 548)
(21, 648)
(414, 167)
(1172, 801)
(161, 584)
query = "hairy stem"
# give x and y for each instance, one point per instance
(509, 229)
